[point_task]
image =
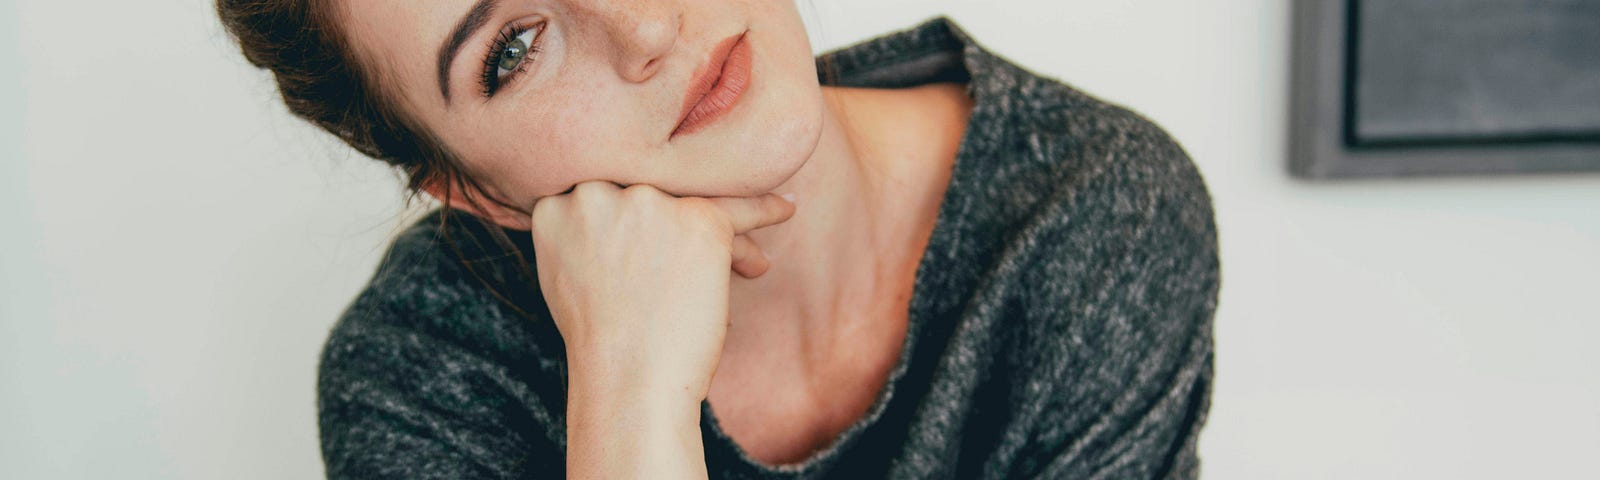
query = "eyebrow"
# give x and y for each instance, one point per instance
(474, 20)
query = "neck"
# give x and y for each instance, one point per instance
(825, 257)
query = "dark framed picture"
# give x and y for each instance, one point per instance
(1385, 88)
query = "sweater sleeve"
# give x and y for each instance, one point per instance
(1128, 276)
(398, 404)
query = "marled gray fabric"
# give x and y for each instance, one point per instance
(1060, 325)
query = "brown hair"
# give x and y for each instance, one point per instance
(321, 81)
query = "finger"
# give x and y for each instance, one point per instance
(594, 187)
(748, 261)
(750, 213)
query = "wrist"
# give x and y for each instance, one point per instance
(619, 427)
(624, 380)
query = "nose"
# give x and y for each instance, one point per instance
(640, 32)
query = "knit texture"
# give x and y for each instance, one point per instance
(1060, 324)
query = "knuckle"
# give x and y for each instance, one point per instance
(546, 204)
(642, 187)
(640, 191)
(544, 212)
(590, 188)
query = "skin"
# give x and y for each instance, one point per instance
(811, 340)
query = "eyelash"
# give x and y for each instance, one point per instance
(490, 81)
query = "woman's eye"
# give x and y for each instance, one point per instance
(510, 53)
(513, 54)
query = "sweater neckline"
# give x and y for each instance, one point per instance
(932, 51)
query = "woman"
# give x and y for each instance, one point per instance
(974, 271)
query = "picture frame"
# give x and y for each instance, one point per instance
(1334, 135)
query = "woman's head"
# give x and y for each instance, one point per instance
(542, 94)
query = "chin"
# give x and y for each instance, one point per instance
(763, 151)
(776, 149)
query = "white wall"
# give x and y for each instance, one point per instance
(174, 247)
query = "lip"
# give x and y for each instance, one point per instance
(716, 86)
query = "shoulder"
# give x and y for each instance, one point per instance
(1123, 225)
(1112, 256)
(1081, 179)
(425, 308)
(451, 267)
(1117, 275)
(427, 367)
(1080, 141)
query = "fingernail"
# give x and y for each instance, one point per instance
(788, 196)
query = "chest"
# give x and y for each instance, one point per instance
(780, 411)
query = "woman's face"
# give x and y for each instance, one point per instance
(598, 91)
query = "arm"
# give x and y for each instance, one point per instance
(637, 282)
(619, 426)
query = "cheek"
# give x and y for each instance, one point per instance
(573, 141)
(782, 142)
(521, 156)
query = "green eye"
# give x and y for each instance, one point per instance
(512, 55)
(514, 52)
(509, 55)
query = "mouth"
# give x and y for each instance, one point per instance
(716, 86)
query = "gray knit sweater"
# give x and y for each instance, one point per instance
(1060, 325)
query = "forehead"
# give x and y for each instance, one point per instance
(400, 41)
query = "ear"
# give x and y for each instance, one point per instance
(446, 192)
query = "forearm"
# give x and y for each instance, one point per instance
(623, 423)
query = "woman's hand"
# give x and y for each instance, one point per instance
(637, 281)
